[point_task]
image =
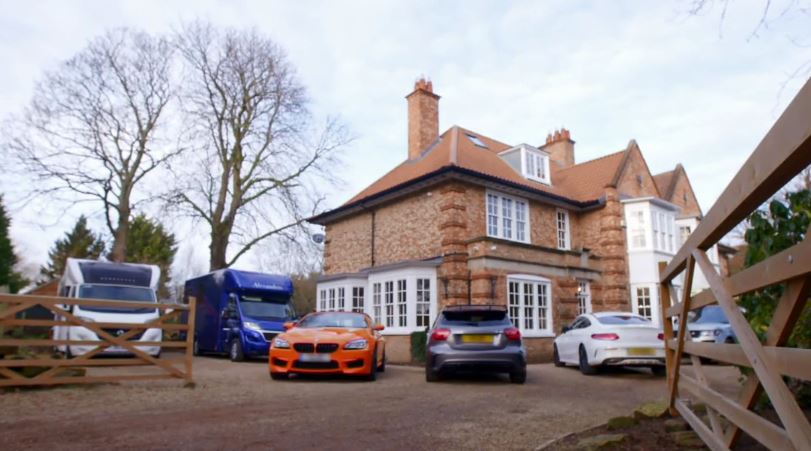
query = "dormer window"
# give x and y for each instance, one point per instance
(531, 162)
(535, 166)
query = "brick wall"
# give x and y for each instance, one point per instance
(348, 244)
(636, 180)
(684, 198)
(404, 230)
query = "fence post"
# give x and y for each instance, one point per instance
(190, 337)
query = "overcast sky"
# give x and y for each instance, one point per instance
(688, 89)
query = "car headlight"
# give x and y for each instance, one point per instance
(717, 332)
(359, 343)
(280, 343)
(707, 333)
(251, 325)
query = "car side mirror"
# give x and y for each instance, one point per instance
(566, 329)
(289, 325)
(379, 327)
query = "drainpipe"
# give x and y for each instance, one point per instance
(373, 238)
(469, 287)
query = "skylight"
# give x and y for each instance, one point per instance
(476, 140)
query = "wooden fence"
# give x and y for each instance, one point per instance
(170, 365)
(782, 154)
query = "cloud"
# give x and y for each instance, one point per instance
(608, 71)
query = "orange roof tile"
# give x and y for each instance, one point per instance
(663, 183)
(588, 180)
(582, 182)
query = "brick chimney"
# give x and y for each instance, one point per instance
(423, 118)
(560, 147)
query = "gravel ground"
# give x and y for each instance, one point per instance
(237, 406)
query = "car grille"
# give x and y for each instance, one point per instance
(326, 347)
(331, 365)
(323, 348)
(304, 347)
(119, 332)
(269, 336)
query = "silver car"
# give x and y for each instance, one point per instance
(710, 324)
(478, 338)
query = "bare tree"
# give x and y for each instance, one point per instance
(91, 130)
(260, 161)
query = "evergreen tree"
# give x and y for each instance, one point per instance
(8, 276)
(80, 242)
(149, 242)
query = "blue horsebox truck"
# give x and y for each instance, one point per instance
(239, 312)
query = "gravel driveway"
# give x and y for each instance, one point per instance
(236, 406)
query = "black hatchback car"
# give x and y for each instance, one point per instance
(479, 338)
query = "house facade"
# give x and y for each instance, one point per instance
(469, 219)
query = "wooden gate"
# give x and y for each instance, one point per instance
(170, 364)
(783, 153)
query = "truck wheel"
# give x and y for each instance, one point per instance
(235, 351)
(585, 368)
(659, 370)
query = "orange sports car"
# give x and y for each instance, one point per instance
(329, 343)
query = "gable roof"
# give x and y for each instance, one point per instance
(579, 186)
(666, 182)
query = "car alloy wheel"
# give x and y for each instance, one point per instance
(235, 351)
(585, 368)
(556, 356)
(373, 371)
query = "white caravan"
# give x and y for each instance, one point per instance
(91, 279)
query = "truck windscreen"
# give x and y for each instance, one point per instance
(117, 293)
(267, 307)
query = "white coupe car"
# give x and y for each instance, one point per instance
(611, 338)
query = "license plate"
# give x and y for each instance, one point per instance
(641, 351)
(477, 338)
(314, 358)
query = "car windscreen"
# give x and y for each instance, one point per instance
(474, 318)
(116, 293)
(710, 314)
(271, 307)
(343, 320)
(623, 320)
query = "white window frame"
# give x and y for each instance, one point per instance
(564, 236)
(506, 227)
(377, 303)
(423, 302)
(358, 299)
(535, 165)
(639, 293)
(340, 295)
(583, 297)
(388, 303)
(407, 324)
(530, 324)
